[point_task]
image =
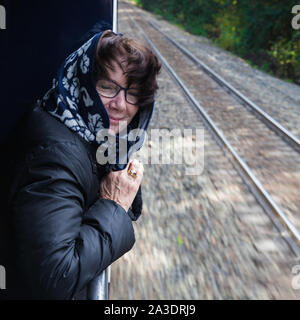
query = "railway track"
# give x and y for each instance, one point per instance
(205, 236)
(265, 117)
(248, 138)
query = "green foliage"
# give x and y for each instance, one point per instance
(286, 53)
(258, 31)
(229, 30)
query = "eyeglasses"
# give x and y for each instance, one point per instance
(110, 89)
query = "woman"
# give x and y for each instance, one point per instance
(71, 217)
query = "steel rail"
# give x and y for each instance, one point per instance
(262, 196)
(272, 123)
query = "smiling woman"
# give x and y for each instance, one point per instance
(120, 106)
(71, 217)
(137, 62)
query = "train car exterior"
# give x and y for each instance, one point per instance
(35, 37)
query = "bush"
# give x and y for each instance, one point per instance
(259, 31)
(287, 56)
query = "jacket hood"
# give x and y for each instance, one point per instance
(73, 99)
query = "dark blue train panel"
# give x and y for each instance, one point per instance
(37, 38)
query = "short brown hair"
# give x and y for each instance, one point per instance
(141, 64)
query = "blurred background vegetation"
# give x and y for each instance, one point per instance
(258, 31)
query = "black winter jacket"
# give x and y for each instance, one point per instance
(64, 235)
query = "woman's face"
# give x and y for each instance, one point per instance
(119, 111)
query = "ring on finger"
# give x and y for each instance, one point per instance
(133, 173)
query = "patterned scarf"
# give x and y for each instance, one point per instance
(73, 99)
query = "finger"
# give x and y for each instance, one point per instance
(137, 165)
(135, 174)
(124, 172)
(136, 162)
(129, 164)
(132, 165)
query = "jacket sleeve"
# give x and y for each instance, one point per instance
(137, 206)
(61, 245)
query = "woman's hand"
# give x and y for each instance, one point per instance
(120, 186)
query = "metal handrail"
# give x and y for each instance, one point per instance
(98, 289)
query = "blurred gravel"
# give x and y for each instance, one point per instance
(200, 236)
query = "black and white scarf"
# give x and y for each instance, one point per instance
(73, 99)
